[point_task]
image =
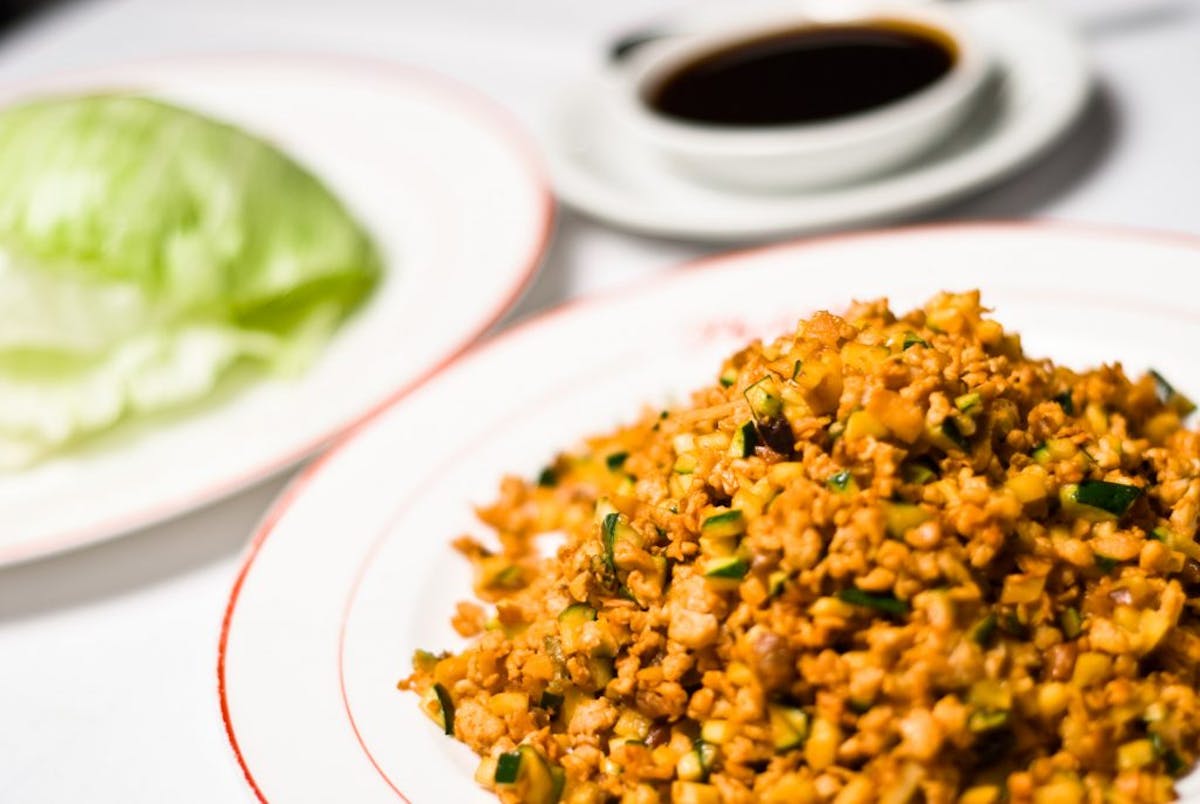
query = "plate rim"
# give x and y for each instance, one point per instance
(295, 488)
(491, 113)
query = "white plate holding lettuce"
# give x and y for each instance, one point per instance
(210, 267)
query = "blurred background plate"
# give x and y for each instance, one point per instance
(1039, 86)
(318, 630)
(455, 199)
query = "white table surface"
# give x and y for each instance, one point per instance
(107, 655)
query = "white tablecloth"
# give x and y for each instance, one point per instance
(108, 655)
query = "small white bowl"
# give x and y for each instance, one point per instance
(805, 155)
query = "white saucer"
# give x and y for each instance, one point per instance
(1041, 83)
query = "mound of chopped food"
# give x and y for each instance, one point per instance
(882, 559)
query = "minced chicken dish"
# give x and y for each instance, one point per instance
(883, 558)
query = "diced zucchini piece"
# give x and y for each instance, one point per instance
(508, 767)
(969, 403)
(842, 482)
(982, 631)
(576, 615)
(1041, 454)
(632, 724)
(776, 582)
(745, 439)
(919, 471)
(766, 406)
(558, 784)
(439, 706)
(1173, 540)
(982, 720)
(695, 765)
(1071, 623)
(913, 339)
(726, 568)
(797, 367)
(1172, 398)
(728, 377)
(765, 402)
(1066, 402)
(547, 478)
(1110, 499)
(901, 517)
(789, 727)
(534, 780)
(615, 529)
(615, 460)
(706, 752)
(886, 603)
(724, 525)
(571, 621)
(601, 669)
(685, 464)
(954, 434)
(550, 701)
(1171, 759)
(990, 695)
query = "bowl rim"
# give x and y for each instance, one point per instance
(655, 61)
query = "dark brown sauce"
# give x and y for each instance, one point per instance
(806, 75)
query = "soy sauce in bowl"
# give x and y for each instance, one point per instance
(813, 74)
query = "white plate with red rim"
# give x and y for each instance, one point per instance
(352, 570)
(454, 197)
(1041, 81)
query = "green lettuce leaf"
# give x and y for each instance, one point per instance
(145, 251)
